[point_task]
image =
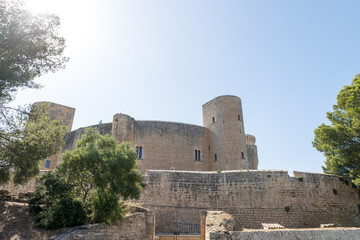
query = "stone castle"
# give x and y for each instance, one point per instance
(190, 169)
(220, 144)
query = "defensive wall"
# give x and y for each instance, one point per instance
(251, 197)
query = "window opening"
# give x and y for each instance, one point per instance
(215, 157)
(197, 155)
(139, 152)
(47, 164)
(213, 119)
(242, 155)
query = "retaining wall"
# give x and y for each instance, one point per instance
(252, 197)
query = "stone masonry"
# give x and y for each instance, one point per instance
(254, 197)
(220, 144)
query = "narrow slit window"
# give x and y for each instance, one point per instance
(242, 155)
(197, 155)
(139, 152)
(47, 164)
(215, 157)
(239, 117)
(213, 119)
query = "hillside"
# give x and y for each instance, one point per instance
(17, 224)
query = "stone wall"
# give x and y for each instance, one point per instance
(16, 191)
(134, 227)
(253, 197)
(314, 234)
(165, 145)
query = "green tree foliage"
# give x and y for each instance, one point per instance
(340, 141)
(103, 173)
(55, 205)
(99, 173)
(26, 139)
(29, 47)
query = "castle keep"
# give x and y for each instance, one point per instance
(220, 144)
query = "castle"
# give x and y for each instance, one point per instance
(220, 144)
(190, 169)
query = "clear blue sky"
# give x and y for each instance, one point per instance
(161, 60)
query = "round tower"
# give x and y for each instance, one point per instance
(123, 128)
(227, 143)
(253, 160)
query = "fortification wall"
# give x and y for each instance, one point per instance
(254, 197)
(328, 234)
(164, 145)
(72, 137)
(168, 145)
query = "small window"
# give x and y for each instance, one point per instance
(172, 169)
(139, 152)
(215, 157)
(213, 119)
(197, 155)
(239, 117)
(47, 164)
(242, 155)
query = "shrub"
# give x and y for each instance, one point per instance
(66, 213)
(301, 179)
(335, 191)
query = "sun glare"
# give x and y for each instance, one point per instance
(41, 6)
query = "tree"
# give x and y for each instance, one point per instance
(29, 47)
(54, 203)
(25, 139)
(340, 141)
(103, 173)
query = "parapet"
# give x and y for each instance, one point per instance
(250, 139)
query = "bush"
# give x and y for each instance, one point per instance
(107, 207)
(66, 213)
(301, 179)
(54, 205)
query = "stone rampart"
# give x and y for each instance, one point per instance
(253, 197)
(313, 234)
(134, 227)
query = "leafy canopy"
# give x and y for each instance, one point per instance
(26, 139)
(29, 47)
(340, 141)
(102, 174)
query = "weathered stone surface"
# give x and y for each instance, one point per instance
(253, 197)
(313, 234)
(134, 227)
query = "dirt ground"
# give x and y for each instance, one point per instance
(17, 224)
